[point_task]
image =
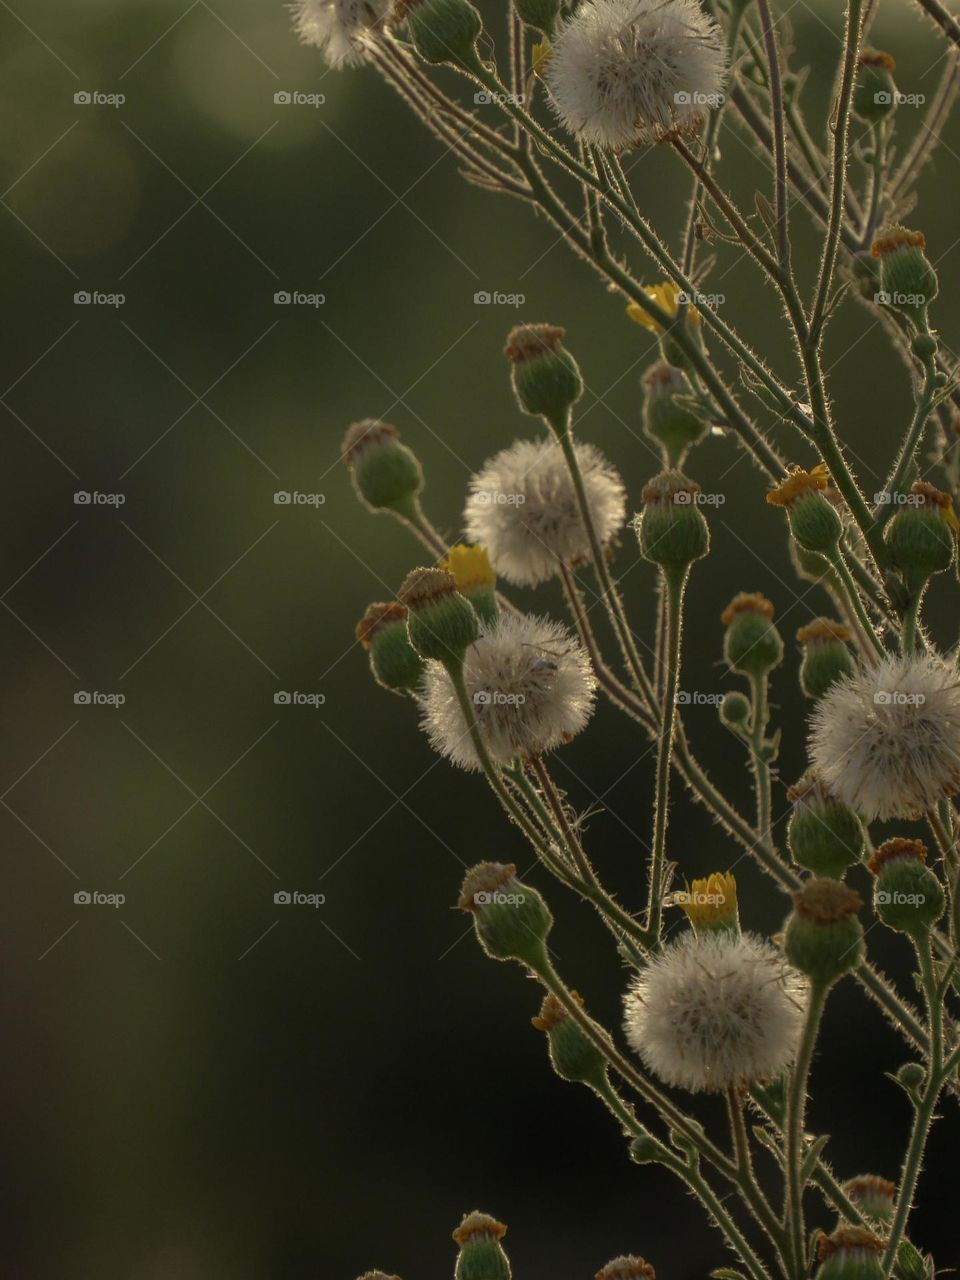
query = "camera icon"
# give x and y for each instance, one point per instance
(82, 898)
(282, 699)
(481, 299)
(882, 298)
(282, 498)
(883, 698)
(683, 498)
(82, 98)
(883, 897)
(283, 98)
(282, 898)
(82, 698)
(682, 99)
(482, 98)
(683, 698)
(482, 698)
(282, 299)
(82, 498)
(82, 299)
(883, 97)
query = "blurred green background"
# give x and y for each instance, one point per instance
(201, 1082)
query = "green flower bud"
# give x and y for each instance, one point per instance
(440, 623)
(627, 1267)
(907, 895)
(382, 631)
(873, 1196)
(814, 521)
(825, 836)
(751, 644)
(735, 710)
(475, 579)
(671, 528)
(875, 93)
(646, 1149)
(823, 937)
(446, 31)
(574, 1055)
(541, 14)
(511, 919)
(909, 282)
(546, 379)
(850, 1253)
(669, 414)
(386, 475)
(921, 534)
(912, 1076)
(481, 1253)
(826, 657)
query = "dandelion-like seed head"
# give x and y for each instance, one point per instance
(529, 683)
(886, 741)
(628, 71)
(523, 508)
(716, 1011)
(339, 28)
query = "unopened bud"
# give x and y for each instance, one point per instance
(511, 919)
(814, 521)
(546, 379)
(441, 624)
(382, 631)
(826, 657)
(823, 937)
(907, 895)
(909, 281)
(445, 31)
(873, 1196)
(735, 710)
(751, 644)
(386, 474)
(921, 535)
(627, 1267)
(481, 1253)
(574, 1055)
(825, 836)
(850, 1253)
(670, 416)
(875, 94)
(671, 528)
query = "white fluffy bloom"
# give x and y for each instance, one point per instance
(886, 741)
(531, 686)
(338, 27)
(522, 507)
(716, 1011)
(627, 71)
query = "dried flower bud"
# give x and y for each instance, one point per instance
(546, 379)
(814, 521)
(907, 896)
(671, 528)
(445, 31)
(440, 623)
(710, 904)
(875, 94)
(627, 1267)
(825, 836)
(386, 474)
(475, 579)
(669, 416)
(873, 1196)
(751, 643)
(511, 919)
(382, 631)
(850, 1253)
(574, 1055)
(823, 937)
(481, 1253)
(909, 282)
(826, 656)
(921, 535)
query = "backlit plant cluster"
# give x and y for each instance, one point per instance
(583, 88)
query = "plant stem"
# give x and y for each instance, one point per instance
(793, 1134)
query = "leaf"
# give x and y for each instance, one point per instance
(910, 1264)
(765, 210)
(813, 1155)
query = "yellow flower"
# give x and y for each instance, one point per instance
(799, 482)
(540, 55)
(666, 296)
(470, 567)
(711, 903)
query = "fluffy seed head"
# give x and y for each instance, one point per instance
(523, 508)
(531, 687)
(629, 71)
(886, 741)
(716, 1011)
(339, 28)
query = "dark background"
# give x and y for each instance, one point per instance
(200, 1083)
